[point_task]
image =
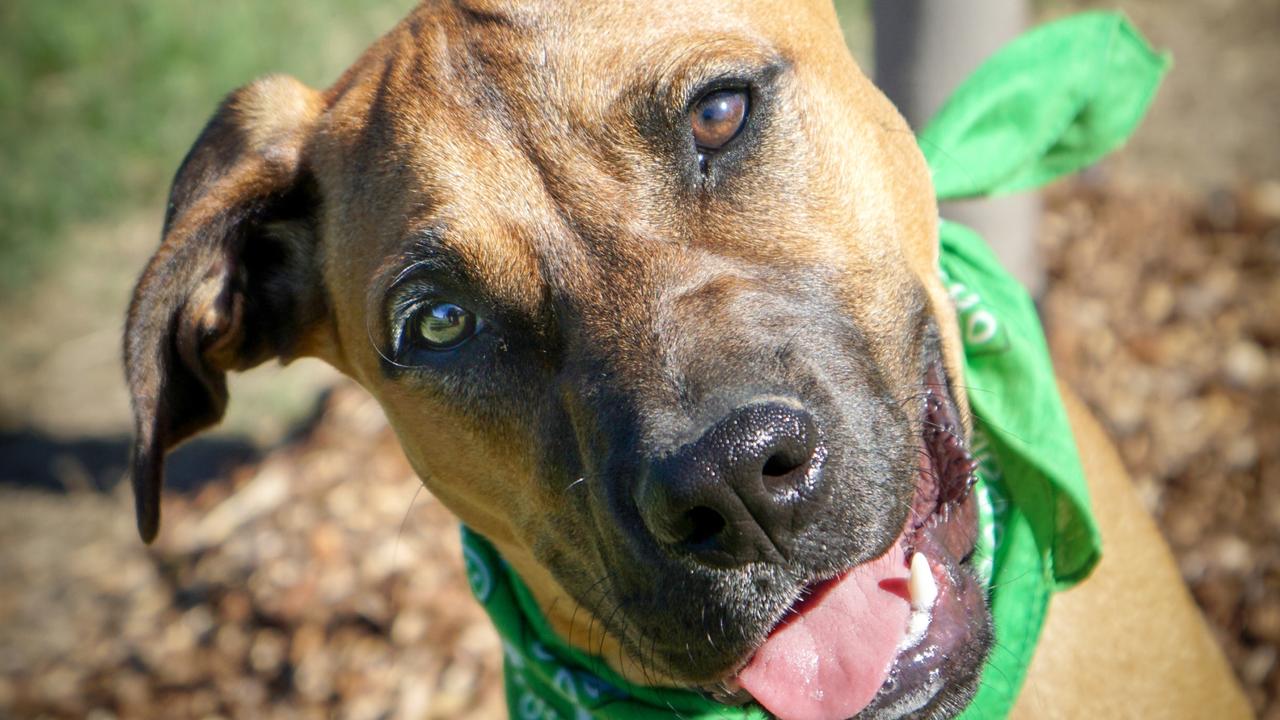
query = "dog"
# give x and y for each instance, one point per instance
(649, 293)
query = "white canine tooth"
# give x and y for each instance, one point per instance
(921, 585)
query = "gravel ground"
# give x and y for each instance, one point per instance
(320, 582)
(1164, 312)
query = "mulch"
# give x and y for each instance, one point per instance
(1164, 313)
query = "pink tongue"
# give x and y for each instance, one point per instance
(828, 663)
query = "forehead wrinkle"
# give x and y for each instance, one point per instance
(562, 136)
(452, 149)
(556, 187)
(581, 145)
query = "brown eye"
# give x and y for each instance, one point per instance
(718, 117)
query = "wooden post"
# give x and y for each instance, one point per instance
(923, 50)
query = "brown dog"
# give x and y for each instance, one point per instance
(648, 292)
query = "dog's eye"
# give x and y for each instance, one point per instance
(718, 118)
(441, 325)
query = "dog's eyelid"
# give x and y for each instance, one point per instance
(723, 61)
(753, 75)
(425, 251)
(410, 295)
(426, 265)
(404, 291)
(403, 300)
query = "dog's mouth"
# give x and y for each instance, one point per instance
(885, 638)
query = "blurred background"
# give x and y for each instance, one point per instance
(302, 572)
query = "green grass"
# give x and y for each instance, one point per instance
(99, 101)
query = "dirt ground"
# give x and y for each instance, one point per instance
(1162, 313)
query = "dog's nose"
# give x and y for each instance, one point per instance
(735, 494)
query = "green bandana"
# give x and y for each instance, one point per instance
(1050, 103)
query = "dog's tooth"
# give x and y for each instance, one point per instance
(921, 585)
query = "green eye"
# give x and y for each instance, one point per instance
(443, 326)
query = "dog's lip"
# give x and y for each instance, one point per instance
(942, 525)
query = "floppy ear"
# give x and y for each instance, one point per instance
(235, 280)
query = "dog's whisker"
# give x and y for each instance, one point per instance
(595, 587)
(395, 550)
(577, 604)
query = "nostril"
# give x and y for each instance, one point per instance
(701, 525)
(781, 464)
(787, 465)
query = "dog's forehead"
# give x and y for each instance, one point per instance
(588, 28)
(492, 118)
(540, 78)
(579, 56)
(508, 130)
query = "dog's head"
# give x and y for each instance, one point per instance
(649, 293)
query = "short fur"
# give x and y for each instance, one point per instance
(529, 160)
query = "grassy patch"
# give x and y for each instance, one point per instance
(99, 101)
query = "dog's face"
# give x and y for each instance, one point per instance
(648, 292)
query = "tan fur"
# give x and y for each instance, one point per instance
(462, 115)
(1129, 642)
(881, 181)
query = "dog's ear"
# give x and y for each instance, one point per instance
(235, 281)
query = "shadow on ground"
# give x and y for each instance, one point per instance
(36, 460)
(32, 458)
